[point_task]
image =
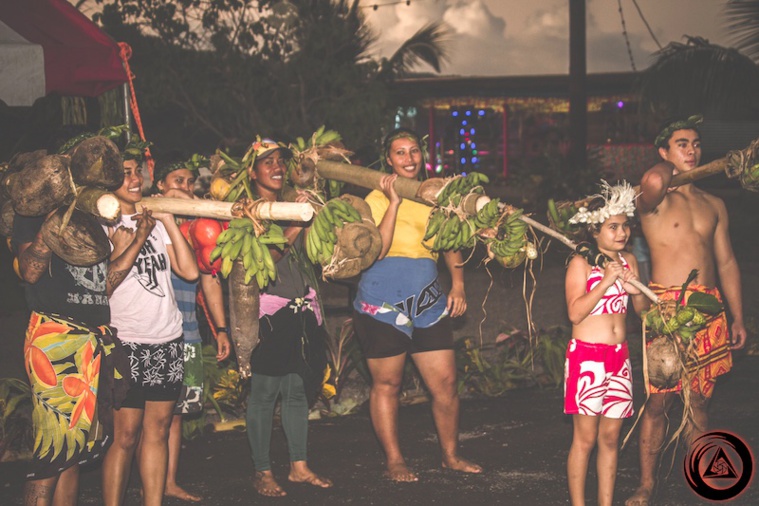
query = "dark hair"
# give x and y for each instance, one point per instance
(671, 125)
(398, 133)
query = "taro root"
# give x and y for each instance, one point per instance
(663, 362)
(243, 316)
(21, 160)
(97, 162)
(6, 218)
(98, 202)
(41, 186)
(82, 242)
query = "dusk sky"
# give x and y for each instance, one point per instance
(513, 37)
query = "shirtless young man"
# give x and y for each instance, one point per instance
(686, 228)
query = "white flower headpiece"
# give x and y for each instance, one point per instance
(620, 199)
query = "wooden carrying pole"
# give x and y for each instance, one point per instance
(711, 168)
(368, 178)
(203, 208)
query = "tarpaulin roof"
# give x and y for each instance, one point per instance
(76, 58)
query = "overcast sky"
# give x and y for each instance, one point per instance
(517, 37)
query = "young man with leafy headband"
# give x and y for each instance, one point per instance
(686, 228)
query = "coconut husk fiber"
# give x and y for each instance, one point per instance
(43, 185)
(359, 205)
(358, 246)
(82, 242)
(665, 366)
(97, 161)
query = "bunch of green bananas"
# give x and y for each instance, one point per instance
(685, 323)
(450, 231)
(239, 242)
(460, 186)
(510, 243)
(487, 217)
(321, 239)
(558, 217)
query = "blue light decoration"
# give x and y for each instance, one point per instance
(467, 153)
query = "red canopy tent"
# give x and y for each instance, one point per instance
(50, 40)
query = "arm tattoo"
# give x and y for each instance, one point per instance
(114, 279)
(35, 259)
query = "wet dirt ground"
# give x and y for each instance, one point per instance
(521, 439)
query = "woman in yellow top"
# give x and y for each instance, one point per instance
(401, 309)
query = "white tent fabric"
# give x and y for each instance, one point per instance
(22, 69)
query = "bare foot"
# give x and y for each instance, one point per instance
(400, 473)
(641, 497)
(463, 465)
(265, 484)
(180, 493)
(309, 477)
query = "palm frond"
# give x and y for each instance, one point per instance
(698, 76)
(742, 20)
(427, 45)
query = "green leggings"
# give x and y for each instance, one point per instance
(264, 391)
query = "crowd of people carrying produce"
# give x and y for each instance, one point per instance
(113, 349)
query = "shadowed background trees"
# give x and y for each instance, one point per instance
(213, 72)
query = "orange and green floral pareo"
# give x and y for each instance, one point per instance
(63, 361)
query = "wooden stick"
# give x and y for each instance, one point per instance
(368, 178)
(278, 211)
(711, 168)
(549, 231)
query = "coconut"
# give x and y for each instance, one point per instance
(97, 162)
(663, 362)
(82, 242)
(360, 240)
(429, 189)
(359, 205)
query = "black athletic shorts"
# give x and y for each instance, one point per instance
(382, 340)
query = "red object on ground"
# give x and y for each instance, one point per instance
(80, 59)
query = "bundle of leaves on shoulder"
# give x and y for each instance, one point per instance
(514, 362)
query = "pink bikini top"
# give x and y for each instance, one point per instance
(614, 301)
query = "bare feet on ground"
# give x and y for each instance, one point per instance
(400, 472)
(265, 484)
(463, 465)
(641, 497)
(180, 493)
(309, 477)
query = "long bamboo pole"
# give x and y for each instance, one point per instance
(368, 178)
(279, 211)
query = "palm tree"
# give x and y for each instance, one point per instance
(427, 45)
(743, 22)
(698, 76)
